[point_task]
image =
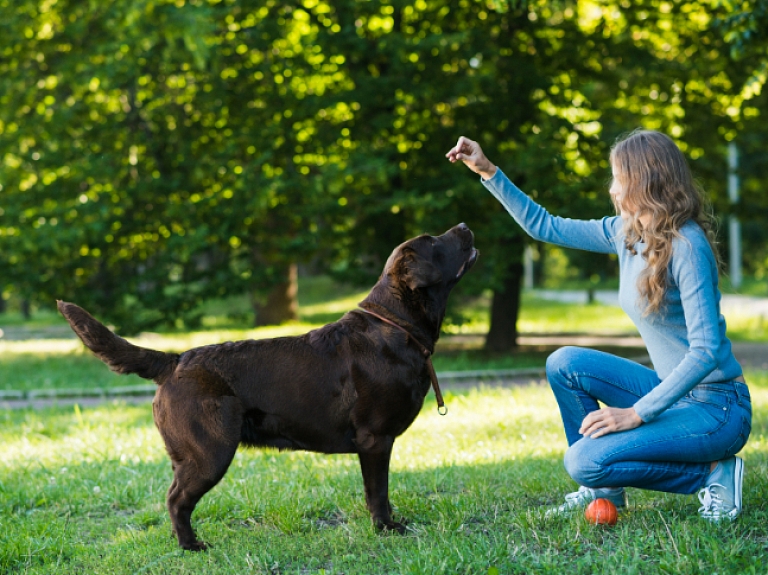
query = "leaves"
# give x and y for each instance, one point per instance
(156, 153)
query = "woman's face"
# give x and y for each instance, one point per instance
(626, 208)
(617, 195)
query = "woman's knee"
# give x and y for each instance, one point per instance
(561, 362)
(582, 467)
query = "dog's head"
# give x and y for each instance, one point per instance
(420, 274)
(431, 261)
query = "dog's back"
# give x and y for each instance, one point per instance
(120, 355)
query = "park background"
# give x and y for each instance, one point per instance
(195, 171)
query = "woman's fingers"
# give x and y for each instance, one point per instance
(600, 422)
(592, 424)
(588, 422)
(470, 152)
(464, 146)
(463, 150)
(609, 420)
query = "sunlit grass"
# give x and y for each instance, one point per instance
(76, 436)
(83, 490)
(747, 327)
(540, 316)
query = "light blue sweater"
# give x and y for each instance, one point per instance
(686, 341)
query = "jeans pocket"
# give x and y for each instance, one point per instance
(713, 396)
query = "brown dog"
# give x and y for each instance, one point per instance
(351, 386)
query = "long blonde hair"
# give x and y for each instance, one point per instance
(657, 181)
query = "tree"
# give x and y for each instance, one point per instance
(170, 152)
(744, 26)
(420, 75)
(94, 158)
(154, 161)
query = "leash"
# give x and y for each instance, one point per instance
(441, 409)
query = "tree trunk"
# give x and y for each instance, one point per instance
(26, 309)
(539, 267)
(505, 308)
(3, 305)
(281, 304)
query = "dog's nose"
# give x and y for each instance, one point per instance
(463, 227)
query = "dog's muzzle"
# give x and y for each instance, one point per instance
(468, 264)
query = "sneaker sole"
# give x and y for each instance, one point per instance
(738, 481)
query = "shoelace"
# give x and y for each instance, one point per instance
(577, 497)
(571, 500)
(710, 501)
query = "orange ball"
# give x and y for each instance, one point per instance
(601, 512)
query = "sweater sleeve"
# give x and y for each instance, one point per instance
(590, 235)
(693, 269)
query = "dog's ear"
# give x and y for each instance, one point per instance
(416, 272)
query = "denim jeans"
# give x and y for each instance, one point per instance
(671, 453)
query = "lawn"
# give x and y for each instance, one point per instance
(83, 491)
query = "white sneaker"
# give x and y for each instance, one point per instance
(721, 497)
(585, 495)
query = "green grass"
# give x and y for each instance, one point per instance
(747, 328)
(540, 316)
(749, 286)
(83, 491)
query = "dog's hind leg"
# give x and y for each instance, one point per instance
(201, 442)
(375, 468)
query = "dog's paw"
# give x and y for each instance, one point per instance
(391, 527)
(399, 528)
(194, 546)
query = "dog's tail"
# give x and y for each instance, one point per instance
(120, 355)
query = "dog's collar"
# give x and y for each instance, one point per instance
(441, 409)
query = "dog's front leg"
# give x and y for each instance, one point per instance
(375, 468)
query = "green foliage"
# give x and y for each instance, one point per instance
(156, 154)
(140, 166)
(745, 28)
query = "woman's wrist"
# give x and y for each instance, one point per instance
(487, 172)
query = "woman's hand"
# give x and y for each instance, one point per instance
(609, 420)
(469, 152)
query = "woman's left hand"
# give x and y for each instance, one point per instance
(609, 420)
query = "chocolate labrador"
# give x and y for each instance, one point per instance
(351, 386)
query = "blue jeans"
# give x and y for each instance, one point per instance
(671, 453)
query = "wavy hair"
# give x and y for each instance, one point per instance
(657, 182)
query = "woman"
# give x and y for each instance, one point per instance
(677, 427)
